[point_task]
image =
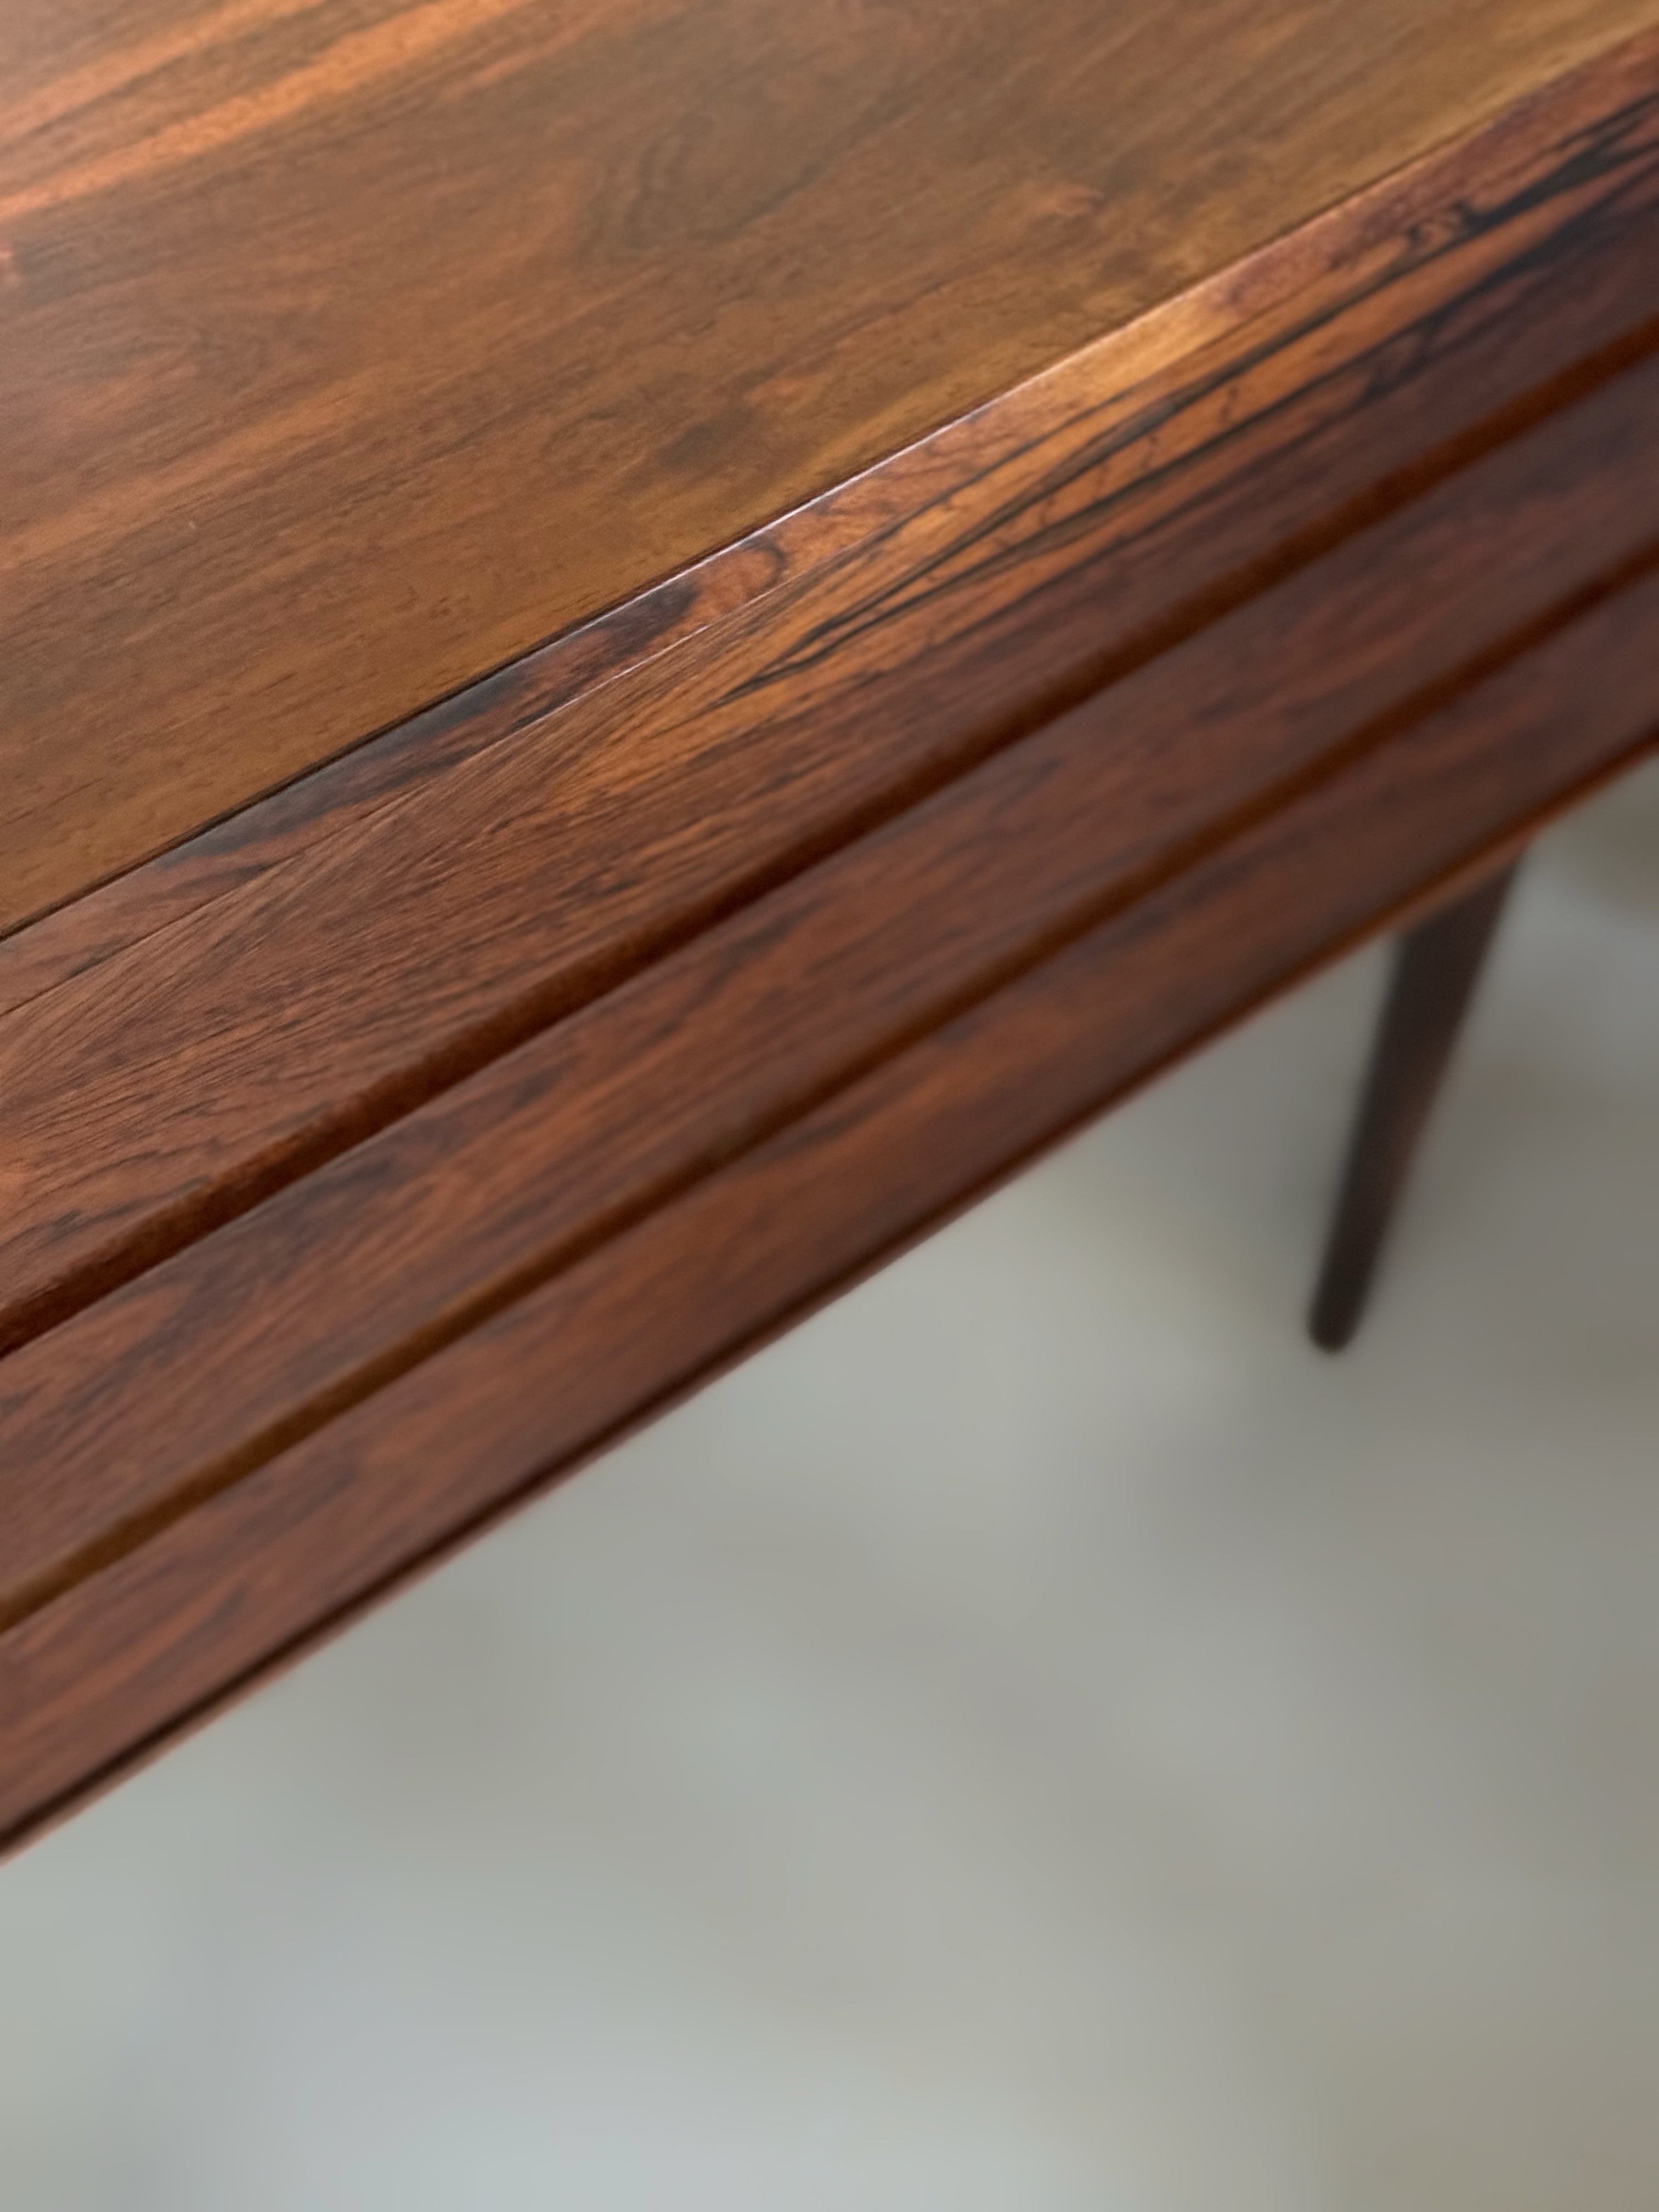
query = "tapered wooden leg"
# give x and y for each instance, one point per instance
(1436, 967)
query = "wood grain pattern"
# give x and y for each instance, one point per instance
(144, 1642)
(376, 1153)
(350, 348)
(1465, 282)
(414, 938)
(205, 1365)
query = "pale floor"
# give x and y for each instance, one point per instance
(1040, 1740)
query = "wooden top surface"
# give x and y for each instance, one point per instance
(348, 349)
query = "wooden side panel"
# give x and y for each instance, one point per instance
(137, 1648)
(209, 1361)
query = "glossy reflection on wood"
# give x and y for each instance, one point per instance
(351, 348)
(381, 1151)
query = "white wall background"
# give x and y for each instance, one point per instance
(1040, 1740)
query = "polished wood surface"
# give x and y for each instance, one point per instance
(358, 1271)
(349, 348)
(381, 1151)
(1054, 542)
(1464, 285)
(210, 1364)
